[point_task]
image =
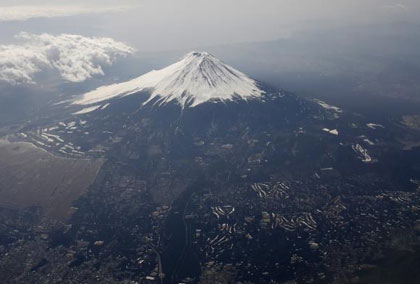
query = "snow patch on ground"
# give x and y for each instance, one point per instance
(327, 106)
(331, 131)
(368, 141)
(105, 106)
(363, 153)
(374, 125)
(86, 110)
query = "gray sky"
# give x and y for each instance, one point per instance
(155, 25)
(78, 40)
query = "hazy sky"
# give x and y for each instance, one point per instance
(153, 25)
(78, 39)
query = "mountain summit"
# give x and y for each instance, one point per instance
(197, 78)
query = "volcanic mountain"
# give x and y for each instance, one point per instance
(197, 78)
(209, 174)
(196, 96)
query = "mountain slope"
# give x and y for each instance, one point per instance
(272, 189)
(197, 78)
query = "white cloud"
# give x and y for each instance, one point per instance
(23, 13)
(76, 58)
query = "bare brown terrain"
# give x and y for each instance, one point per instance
(32, 177)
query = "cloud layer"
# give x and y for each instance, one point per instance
(74, 57)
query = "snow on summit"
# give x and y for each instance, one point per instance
(197, 78)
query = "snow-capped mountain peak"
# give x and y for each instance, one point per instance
(197, 78)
